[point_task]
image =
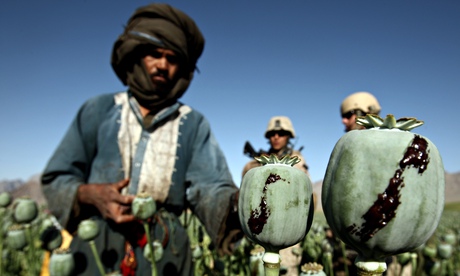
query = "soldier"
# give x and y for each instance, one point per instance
(358, 104)
(279, 132)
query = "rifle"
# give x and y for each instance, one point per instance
(250, 151)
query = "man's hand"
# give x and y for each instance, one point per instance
(108, 200)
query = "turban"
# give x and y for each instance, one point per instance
(158, 25)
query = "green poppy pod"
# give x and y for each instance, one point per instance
(16, 237)
(88, 230)
(25, 210)
(157, 251)
(143, 206)
(383, 191)
(275, 204)
(61, 263)
(5, 199)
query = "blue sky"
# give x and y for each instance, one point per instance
(296, 58)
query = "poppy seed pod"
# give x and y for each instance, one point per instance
(25, 210)
(430, 251)
(16, 237)
(88, 230)
(256, 264)
(157, 251)
(398, 177)
(61, 263)
(6, 224)
(46, 222)
(5, 199)
(275, 203)
(449, 237)
(403, 258)
(312, 269)
(197, 252)
(445, 251)
(275, 206)
(143, 206)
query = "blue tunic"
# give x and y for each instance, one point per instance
(175, 158)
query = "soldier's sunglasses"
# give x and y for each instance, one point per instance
(348, 114)
(279, 132)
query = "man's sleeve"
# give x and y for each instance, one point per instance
(70, 164)
(212, 194)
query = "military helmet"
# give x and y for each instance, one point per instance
(278, 123)
(363, 101)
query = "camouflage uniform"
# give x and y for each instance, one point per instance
(302, 165)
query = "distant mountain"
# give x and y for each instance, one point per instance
(453, 187)
(10, 185)
(19, 188)
(33, 189)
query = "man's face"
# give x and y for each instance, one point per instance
(349, 121)
(163, 67)
(278, 139)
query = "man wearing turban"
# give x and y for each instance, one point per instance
(144, 140)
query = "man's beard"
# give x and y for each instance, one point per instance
(159, 87)
(150, 94)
